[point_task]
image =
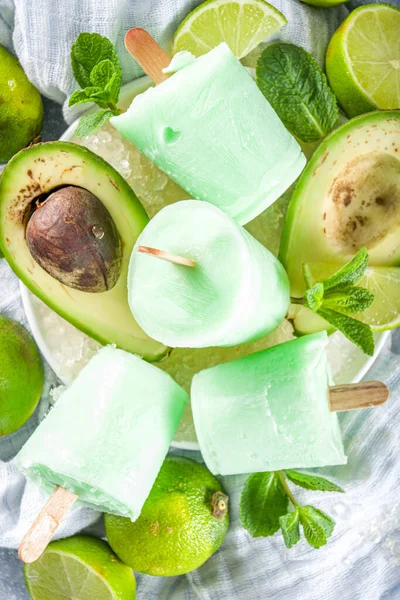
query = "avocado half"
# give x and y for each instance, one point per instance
(36, 172)
(348, 196)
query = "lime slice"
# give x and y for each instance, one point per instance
(79, 568)
(363, 60)
(384, 283)
(324, 3)
(242, 24)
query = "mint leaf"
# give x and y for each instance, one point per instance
(262, 503)
(314, 296)
(352, 300)
(350, 274)
(312, 482)
(78, 97)
(290, 528)
(297, 89)
(102, 73)
(89, 94)
(88, 50)
(317, 525)
(108, 78)
(357, 332)
(90, 123)
(113, 87)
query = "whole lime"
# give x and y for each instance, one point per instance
(79, 568)
(21, 107)
(21, 376)
(183, 522)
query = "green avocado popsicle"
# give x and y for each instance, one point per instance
(237, 291)
(210, 129)
(268, 411)
(107, 436)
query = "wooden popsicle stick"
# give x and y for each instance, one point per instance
(341, 397)
(150, 56)
(45, 525)
(354, 396)
(163, 255)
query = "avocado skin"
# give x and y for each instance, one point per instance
(303, 238)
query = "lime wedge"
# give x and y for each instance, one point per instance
(363, 60)
(79, 568)
(324, 3)
(384, 283)
(242, 24)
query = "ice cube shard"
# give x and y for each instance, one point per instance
(268, 411)
(237, 292)
(211, 130)
(108, 434)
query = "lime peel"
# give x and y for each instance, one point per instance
(362, 59)
(242, 24)
(79, 567)
(384, 283)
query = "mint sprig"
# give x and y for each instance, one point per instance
(309, 481)
(350, 301)
(350, 273)
(290, 527)
(338, 297)
(357, 332)
(265, 502)
(90, 123)
(97, 69)
(317, 525)
(297, 89)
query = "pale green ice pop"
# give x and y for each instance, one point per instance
(107, 436)
(211, 130)
(237, 292)
(268, 411)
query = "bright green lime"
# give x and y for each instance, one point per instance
(79, 568)
(183, 522)
(324, 3)
(21, 107)
(21, 376)
(363, 60)
(242, 24)
(384, 283)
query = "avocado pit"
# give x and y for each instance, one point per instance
(363, 204)
(72, 236)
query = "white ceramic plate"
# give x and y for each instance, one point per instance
(347, 362)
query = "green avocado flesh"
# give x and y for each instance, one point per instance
(305, 321)
(347, 197)
(37, 171)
